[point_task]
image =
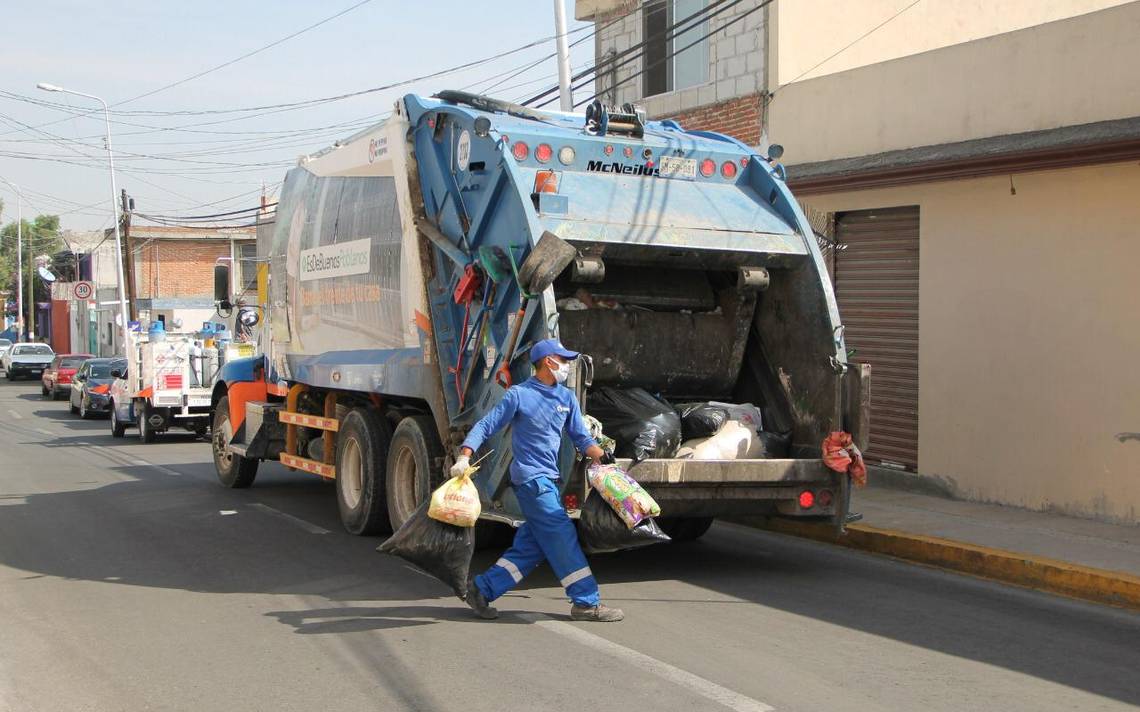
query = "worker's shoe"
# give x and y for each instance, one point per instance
(598, 613)
(478, 602)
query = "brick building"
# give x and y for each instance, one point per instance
(716, 84)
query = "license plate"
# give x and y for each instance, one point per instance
(673, 167)
(199, 402)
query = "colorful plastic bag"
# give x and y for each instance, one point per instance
(456, 502)
(842, 455)
(620, 491)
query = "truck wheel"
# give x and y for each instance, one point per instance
(117, 428)
(415, 467)
(685, 528)
(146, 430)
(234, 471)
(362, 446)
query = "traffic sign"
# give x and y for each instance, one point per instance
(83, 291)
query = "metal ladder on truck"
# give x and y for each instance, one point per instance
(328, 424)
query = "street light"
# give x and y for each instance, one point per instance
(19, 257)
(123, 314)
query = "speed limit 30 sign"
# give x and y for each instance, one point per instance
(83, 291)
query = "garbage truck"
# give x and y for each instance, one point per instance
(408, 270)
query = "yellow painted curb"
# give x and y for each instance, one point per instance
(1098, 585)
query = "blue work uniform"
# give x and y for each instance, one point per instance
(538, 414)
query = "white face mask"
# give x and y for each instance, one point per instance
(561, 371)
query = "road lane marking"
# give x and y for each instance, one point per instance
(44, 431)
(682, 678)
(14, 414)
(160, 468)
(307, 526)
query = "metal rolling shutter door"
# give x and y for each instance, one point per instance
(876, 284)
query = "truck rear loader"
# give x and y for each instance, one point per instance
(409, 269)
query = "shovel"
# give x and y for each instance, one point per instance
(544, 263)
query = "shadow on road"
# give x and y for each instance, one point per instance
(170, 532)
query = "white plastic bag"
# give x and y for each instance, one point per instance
(456, 502)
(734, 441)
(744, 413)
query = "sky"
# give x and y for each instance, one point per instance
(181, 164)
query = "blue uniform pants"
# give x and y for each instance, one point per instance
(548, 534)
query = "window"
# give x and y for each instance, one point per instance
(33, 350)
(247, 267)
(689, 67)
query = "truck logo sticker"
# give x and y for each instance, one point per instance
(463, 151)
(340, 260)
(649, 171)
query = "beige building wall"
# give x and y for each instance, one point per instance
(1067, 72)
(1029, 390)
(824, 36)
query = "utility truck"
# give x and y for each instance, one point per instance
(411, 267)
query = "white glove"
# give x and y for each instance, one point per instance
(460, 467)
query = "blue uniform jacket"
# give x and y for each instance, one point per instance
(537, 414)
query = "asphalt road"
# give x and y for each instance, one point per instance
(130, 580)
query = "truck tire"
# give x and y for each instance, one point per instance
(146, 430)
(415, 467)
(118, 430)
(682, 529)
(361, 458)
(234, 471)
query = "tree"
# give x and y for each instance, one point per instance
(41, 237)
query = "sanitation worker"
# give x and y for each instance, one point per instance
(538, 412)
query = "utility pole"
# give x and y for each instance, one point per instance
(31, 294)
(19, 255)
(566, 98)
(132, 301)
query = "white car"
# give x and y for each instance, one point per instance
(5, 344)
(27, 360)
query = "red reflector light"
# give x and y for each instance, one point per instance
(608, 150)
(570, 501)
(807, 499)
(628, 151)
(545, 181)
(708, 167)
(520, 151)
(728, 169)
(824, 498)
(543, 153)
(744, 162)
(172, 380)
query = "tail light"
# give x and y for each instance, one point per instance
(566, 155)
(545, 182)
(728, 169)
(570, 501)
(520, 150)
(172, 381)
(807, 499)
(824, 498)
(708, 167)
(543, 153)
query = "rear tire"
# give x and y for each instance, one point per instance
(362, 447)
(118, 430)
(234, 471)
(682, 529)
(415, 467)
(146, 430)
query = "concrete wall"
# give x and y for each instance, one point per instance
(1064, 73)
(1028, 341)
(820, 37)
(736, 59)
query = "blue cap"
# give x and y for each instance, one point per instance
(550, 347)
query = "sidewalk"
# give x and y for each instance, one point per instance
(1049, 552)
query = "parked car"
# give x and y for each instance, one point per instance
(56, 380)
(27, 360)
(5, 344)
(91, 387)
(121, 408)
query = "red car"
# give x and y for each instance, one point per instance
(56, 380)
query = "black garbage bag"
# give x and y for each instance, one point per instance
(641, 425)
(777, 446)
(700, 420)
(442, 550)
(601, 530)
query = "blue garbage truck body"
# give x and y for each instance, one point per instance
(394, 316)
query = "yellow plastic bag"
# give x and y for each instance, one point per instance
(456, 502)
